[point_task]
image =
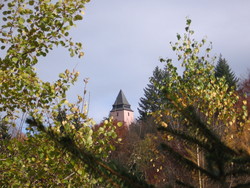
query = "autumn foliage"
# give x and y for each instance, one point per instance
(198, 136)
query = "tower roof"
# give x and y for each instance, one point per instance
(121, 103)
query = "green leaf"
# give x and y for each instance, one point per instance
(189, 22)
(78, 17)
(119, 124)
(31, 2)
(178, 36)
(62, 75)
(21, 20)
(80, 171)
(14, 59)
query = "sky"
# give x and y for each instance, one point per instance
(123, 41)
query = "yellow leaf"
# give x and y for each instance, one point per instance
(244, 102)
(81, 54)
(119, 139)
(164, 124)
(119, 124)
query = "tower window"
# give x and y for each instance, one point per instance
(117, 114)
(128, 113)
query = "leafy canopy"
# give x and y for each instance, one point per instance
(30, 29)
(203, 113)
(60, 130)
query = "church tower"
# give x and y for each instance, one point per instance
(121, 110)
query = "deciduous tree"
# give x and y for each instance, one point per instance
(201, 103)
(31, 29)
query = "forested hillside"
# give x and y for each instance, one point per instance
(193, 129)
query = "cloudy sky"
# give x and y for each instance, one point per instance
(123, 41)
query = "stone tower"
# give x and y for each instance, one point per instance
(121, 110)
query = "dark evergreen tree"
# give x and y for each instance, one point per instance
(222, 69)
(4, 131)
(4, 137)
(152, 99)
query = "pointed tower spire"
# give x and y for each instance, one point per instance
(121, 103)
(121, 110)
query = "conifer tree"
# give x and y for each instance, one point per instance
(4, 131)
(152, 99)
(222, 69)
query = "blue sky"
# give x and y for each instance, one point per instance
(123, 41)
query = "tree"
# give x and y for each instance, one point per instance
(198, 104)
(4, 130)
(4, 136)
(31, 29)
(244, 90)
(152, 100)
(222, 69)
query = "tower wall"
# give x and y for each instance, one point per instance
(125, 116)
